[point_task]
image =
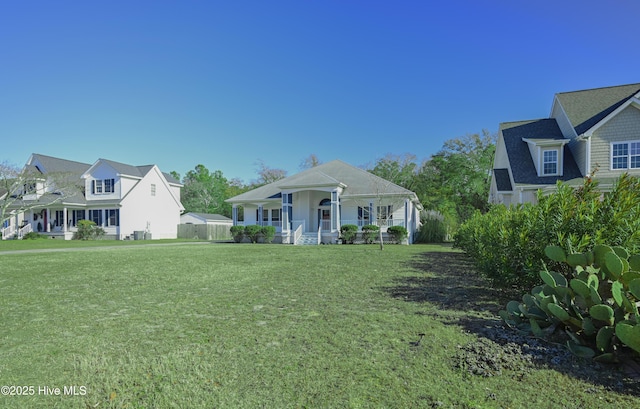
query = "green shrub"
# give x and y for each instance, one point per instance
(88, 230)
(268, 233)
(596, 306)
(370, 233)
(32, 235)
(348, 233)
(237, 232)
(397, 233)
(507, 244)
(433, 229)
(253, 232)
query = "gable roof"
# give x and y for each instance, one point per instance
(354, 181)
(56, 165)
(586, 108)
(522, 167)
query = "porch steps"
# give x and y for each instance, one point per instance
(308, 239)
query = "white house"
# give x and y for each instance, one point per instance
(588, 129)
(126, 201)
(312, 205)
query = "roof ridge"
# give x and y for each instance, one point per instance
(600, 88)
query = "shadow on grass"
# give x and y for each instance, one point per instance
(449, 282)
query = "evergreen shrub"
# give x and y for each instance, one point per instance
(370, 233)
(88, 230)
(348, 233)
(397, 233)
(507, 244)
(237, 232)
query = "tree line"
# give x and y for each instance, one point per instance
(454, 181)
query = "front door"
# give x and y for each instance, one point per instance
(324, 219)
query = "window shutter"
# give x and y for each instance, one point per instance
(93, 187)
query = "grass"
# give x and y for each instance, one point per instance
(58, 244)
(247, 326)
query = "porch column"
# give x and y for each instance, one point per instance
(64, 219)
(284, 216)
(406, 214)
(48, 221)
(335, 211)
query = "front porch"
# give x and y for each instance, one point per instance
(60, 223)
(297, 216)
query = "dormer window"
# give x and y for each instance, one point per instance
(550, 162)
(103, 186)
(547, 154)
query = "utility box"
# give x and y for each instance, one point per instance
(138, 235)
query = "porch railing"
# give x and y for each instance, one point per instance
(8, 232)
(385, 224)
(298, 232)
(24, 230)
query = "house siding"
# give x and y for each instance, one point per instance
(578, 148)
(623, 127)
(161, 212)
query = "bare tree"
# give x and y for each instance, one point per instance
(268, 175)
(310, 162)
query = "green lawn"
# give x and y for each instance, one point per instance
(247, 326)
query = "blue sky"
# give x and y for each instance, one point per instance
(228, 83)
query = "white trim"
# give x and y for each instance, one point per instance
(634, 101)
(558, 163)
(628, 143)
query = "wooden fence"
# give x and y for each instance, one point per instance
(204, 232)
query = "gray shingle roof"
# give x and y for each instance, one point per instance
(210, 216)
(335, 173)
(57, 165)
(588, 107)
(503, 182)
(522, 166)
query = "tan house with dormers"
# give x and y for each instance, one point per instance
(589, 129)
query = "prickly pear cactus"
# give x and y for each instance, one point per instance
(596, 306)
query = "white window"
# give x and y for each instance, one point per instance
(550, 162)
(113, 217)
(625, 155)
(102, 186)
(95, 215)
(384, 213)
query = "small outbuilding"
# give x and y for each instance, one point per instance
(204, 226)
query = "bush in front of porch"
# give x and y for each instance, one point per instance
(254, 233)
(88, 230)
(370, 233)
(348, 233)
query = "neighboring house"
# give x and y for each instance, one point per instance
(312, 205)
(126, 201)
(589, 129)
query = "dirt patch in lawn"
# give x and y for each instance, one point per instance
(449, 282)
